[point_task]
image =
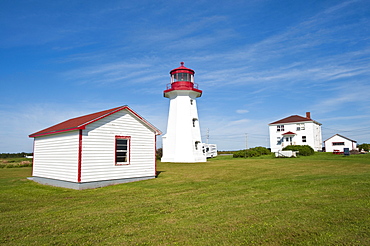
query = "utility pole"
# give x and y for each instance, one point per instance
(207, 135)
(246, 141)
(246, 145)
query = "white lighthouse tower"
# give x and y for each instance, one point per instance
(182, 142)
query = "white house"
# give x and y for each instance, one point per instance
(295, 130)
(337, 143)
(104, 148)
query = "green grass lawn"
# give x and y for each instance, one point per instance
(318, 200)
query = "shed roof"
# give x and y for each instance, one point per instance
(82, 121)
(341, 137)
(293, 119)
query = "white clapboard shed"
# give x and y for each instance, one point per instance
(337, 143)
(104, 148)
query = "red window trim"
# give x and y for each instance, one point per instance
(128, 150)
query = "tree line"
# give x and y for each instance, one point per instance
(14, 155)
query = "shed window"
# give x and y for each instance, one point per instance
(122, 150)
(338, 143)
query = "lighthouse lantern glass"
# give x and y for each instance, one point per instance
(182, 77)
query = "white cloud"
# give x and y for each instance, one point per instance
(242, 111)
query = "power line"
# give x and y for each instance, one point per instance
(352, 130)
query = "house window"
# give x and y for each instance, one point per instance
(122, 150)
(300, 127)
(279, 140)
(280, 128)
(304, 139)
(338, 143)
(191, 101)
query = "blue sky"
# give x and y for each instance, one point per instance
(256, 61)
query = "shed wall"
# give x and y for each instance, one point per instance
(329, 147)
(98, 151)
(56, 156)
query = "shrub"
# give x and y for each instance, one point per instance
(304, 150)
(253, 152)
(239, 154)
(364, 146)
(159, 153)
(262, 150)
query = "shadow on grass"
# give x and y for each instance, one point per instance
(157, 173)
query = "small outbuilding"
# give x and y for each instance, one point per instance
(337, 143)
(100, 149)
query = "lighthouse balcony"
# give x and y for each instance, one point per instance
(182, 85)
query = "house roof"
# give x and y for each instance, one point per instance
(293, 119)
(289, 133)
(341, 137)
(82, 121)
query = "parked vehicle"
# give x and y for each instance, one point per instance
(210, 150)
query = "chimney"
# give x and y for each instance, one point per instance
(308, 115)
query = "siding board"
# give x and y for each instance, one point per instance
(98, 156)
(55, 156)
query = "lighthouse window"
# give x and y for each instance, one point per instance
(122, 150)
(182, 77)
(194, 120)
(196, 144)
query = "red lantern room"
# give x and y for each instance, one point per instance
(182, 73)
(182, 78)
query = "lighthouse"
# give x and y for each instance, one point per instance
(182, 141)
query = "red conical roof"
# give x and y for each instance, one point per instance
(182, 69)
